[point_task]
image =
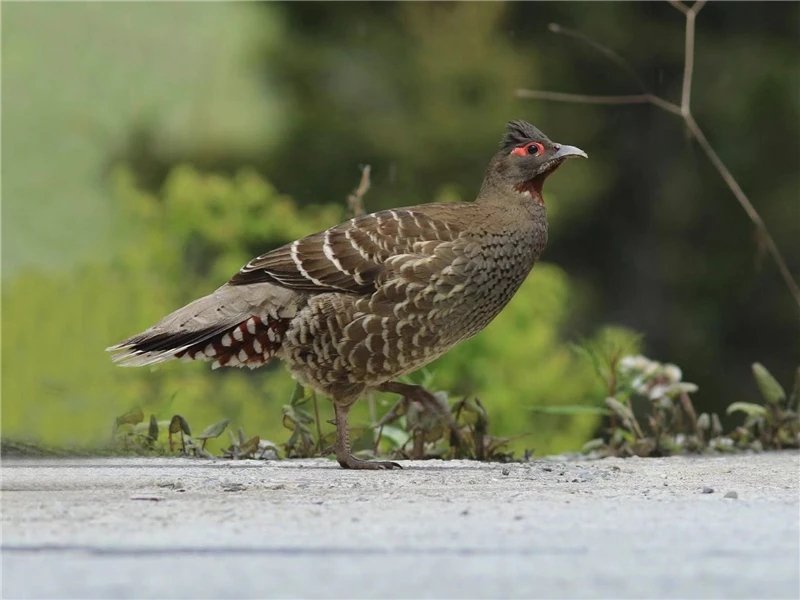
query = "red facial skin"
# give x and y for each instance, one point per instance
(525, 150)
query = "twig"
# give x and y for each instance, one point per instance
(680, 6)
(355, 200)
(688, 57)
(746, 205)
(602, 49)
(684, 111)
(598, 99)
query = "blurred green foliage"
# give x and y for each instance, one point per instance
(139, 140)
(178, 245)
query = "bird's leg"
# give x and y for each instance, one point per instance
(343, 455)
(418, 393)
(398, 410)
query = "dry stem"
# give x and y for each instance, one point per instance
(355, 200)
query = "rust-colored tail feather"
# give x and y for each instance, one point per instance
(233, 326)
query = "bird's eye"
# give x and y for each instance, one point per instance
(529, 149)
(535, 148)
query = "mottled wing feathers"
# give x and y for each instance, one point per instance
(348, 258)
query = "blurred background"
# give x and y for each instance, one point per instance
(150, 149)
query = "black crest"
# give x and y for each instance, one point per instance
(518, 133)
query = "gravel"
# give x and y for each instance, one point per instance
(553, 528)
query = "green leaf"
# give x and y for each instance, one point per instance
(643, 447)
(298, 395)
(132, 417)
(704, 421)
(594, 444)
(571, 409)
(618, 407)
(250, 446)
(234, 440)
(289, 418)
(794, 399)
(152, 430)
(716, 425)
(770, 388)
(178, 423)
(398, 437)
(174, 424)
(748, 408)
(185, 426)
(214, 430)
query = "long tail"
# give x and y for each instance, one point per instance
(233, 327)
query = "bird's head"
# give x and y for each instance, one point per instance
(526, 157)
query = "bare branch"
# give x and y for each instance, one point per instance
(688, 56)
(680, 6)
(604, 50)
(744, 201)
(355, 200)
(600, 99)
(697, 6)
(645, 97)
(688, 64)
(583, 98)
(684, 111)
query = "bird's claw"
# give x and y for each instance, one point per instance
(351, 462)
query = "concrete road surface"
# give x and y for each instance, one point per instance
(180, 528)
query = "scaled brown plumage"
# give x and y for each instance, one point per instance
(354, 307)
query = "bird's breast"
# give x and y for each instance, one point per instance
(500, 263)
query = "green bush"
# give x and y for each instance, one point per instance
(60, 387)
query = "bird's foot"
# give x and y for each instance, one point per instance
(351, 462)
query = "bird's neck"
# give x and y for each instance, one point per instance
(496, 191)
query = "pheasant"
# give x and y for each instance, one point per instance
(353, 308)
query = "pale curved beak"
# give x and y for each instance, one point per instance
(563, 151)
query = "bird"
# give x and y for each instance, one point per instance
(351, 309)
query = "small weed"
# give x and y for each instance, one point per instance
(775, 424)
(648, 409)
(135, 436)
(306, 439)
(243, 447)
(651, 413)
(407, 430)
(457, 430)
